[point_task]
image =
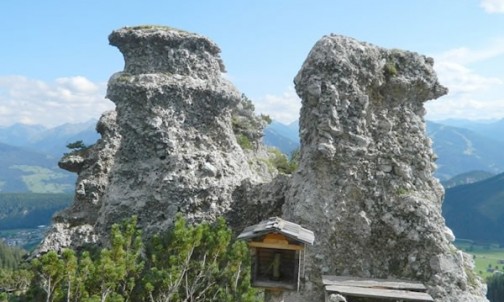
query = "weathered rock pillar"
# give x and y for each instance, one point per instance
(365, 183)
(169, 146)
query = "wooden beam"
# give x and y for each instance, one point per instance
(373, 283)
(274, 285)
(379, 293)
(276, 246)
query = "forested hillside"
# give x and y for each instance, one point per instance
(476, 211)
(29, 210)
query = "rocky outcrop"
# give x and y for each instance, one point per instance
(169, 146)
(182, 139)
(365, 184)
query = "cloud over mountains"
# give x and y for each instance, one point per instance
(66, 99)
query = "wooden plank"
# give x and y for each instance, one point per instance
(373, 283)
(273, 285)
(379, 293)
(275, 246)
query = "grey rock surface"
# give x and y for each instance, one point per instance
(182, 139)
(169, 147)
(365, 184)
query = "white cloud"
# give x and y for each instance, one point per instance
(78, 84)
(462, 80)
(282, 108)
(465, 108)
(65, 100)
(493, 6)
(472, 94)
(464, 55)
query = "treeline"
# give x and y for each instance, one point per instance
(188, 263)
(495, 286)
(29, 210)
(10, 257)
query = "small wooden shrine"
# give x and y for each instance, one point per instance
(277, 251)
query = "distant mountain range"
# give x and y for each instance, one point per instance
(284, 137)
(489, 129)
(466, 178)
(29, 153)
(48, 140)
(469, 163)
(460, 150)
(476, 211)
(29, 156)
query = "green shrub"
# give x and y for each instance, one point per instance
(390, 69)
(198, 263)
(244, 142)
(282, 163)
(188, 263)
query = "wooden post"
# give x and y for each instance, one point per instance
(273, 295)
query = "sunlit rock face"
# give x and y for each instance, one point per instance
(365, 184)
(168, 147)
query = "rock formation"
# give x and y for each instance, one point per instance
(168, 147)
(364, 186)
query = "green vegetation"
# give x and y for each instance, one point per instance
(489, 258)
(244, 142)
(39, 181)
(476, 211)
(495, 285)
(198, 263)
(13, 278)
(77, 145)
(402, 191)
(280, 161)
(29, 210)
(188, 263)
(247, 127)
(390, 69)
(10, 257)
(266, 118)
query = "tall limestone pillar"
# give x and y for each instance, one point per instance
(365, 185)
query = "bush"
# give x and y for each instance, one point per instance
(188, 263)
(282, 163)
(244, 142)
(198, 263)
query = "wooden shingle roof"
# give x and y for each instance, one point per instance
(278, 225)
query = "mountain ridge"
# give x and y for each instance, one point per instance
(476, 211)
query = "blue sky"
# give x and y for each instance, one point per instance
(55, 59)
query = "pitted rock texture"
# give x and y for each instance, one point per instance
(169, 146)
(365, 184)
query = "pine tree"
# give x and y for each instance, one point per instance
(50, 272)
(198, 263)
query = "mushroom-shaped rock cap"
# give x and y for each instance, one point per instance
(358, 67)
(159, 49)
